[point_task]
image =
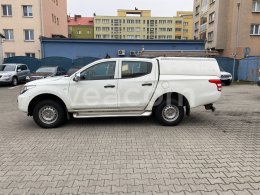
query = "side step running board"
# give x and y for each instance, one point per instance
(109, 114)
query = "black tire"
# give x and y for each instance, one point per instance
(14, 81)
(52, 107)
(160, 110)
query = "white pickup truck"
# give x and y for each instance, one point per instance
(165, 87)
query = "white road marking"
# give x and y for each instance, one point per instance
(13, 87)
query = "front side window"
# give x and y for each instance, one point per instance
(132, 69)
(102, 71)
(7, 10)
(28, 35)
(9, 34)
(27, 11)
(24, 67)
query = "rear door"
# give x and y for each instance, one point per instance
(20, 73)
(136, 85)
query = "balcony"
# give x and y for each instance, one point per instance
(203, 27)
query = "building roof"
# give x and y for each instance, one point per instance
(80, 21)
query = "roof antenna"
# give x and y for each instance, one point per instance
(136, 8)
(94, 14)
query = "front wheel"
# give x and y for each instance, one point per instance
(14, 81)
(169, 114)
(49, 114)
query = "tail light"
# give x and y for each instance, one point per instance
(218, 83)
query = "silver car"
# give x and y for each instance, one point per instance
(14, 73)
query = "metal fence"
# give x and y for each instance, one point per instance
(245, 69)
(66, 63)
(248, 69)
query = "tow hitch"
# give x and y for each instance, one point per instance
(210, 107)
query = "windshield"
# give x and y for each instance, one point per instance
(47, 69)
(4, 67)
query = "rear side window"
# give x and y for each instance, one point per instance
(132, 69)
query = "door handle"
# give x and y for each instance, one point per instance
(109, 86)
(147, 84)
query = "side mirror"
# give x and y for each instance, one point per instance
(77, 77)
(19, 70)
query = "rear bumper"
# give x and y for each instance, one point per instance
(258, 83)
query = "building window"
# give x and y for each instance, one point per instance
(169, 29)
(105, 21)
(7, 10)
(27, 11)
(186, 23)
(98, 36)
(185, 30)
(32, 55)
(130, 29)
(256, 6)
(178, 29)
(255, 29)
(88, 32)
(197, 10)
(211, 1)
(9, 54)
(9, 34)
(130, 21)
(79, 32)
(210, 36)
(178, 37)
(29, 35)
(212, 17)
(196, 26)
(178, 22)
(58, 21)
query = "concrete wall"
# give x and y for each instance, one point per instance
(74, 48)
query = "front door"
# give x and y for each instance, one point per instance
(137, 84)
(97, 88)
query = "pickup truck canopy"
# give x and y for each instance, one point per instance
(189, 66)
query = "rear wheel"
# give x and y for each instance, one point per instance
(14, 81)
(49, 114)
(169, 114)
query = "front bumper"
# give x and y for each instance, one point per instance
(5, 80)
(258, 83)
(23, 103)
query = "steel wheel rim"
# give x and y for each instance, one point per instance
(170, 113)
(48, 114)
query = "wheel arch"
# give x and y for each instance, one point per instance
(180, 98)
(45, 96)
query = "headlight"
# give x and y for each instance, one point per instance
(7, 76)
(26, 88)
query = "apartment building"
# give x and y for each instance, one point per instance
(231, 27)
(139, 24)
(81, 27)
(23, 22)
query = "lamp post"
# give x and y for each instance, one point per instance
(236, 43)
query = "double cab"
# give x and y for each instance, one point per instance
(166, 87)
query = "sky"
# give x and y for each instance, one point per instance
(109, 7)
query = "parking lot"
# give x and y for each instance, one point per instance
(208, 153)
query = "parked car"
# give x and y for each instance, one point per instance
(73, 69)
(226, 77)
(14, 73)
(167, 87)
(258, 82)
(47, 71)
